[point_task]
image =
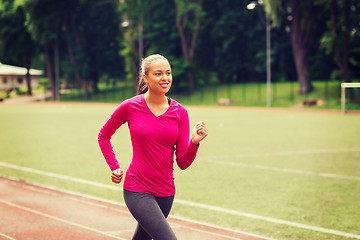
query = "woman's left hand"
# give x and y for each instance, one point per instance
(199, 132)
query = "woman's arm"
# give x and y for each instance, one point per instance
(113, 123)
(186, 151)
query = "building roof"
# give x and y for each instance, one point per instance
(18, 71)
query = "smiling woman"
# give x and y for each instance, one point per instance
(159, 127)
(156, 76)
(159, 67)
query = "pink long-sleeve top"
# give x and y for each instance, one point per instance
(154, 142)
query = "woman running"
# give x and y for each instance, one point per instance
(159, 127)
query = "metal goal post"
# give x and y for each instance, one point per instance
(343, 97)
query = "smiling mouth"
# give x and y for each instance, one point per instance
(164, 85)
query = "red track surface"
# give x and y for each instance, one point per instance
(32, 212)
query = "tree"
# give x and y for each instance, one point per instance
(303, 15)
(69, 18)
(133, 22)
(45, 25)
(17, 45)
(188, 16)
(160, 35)
(342, 36)
(241, 56)
(232, 43)
(93, 41)
(103, 36)
(80, 28)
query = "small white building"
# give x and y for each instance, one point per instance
(15, 77)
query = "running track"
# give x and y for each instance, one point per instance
(35, 212)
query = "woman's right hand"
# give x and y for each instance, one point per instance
(117, 175)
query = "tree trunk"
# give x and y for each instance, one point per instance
(85, 88)
(188, 41)
(94, 85)
(28, 80)
(191, 81)
(134, 62)
(82, 81)
(135, 58)
(94, 82)
(49, 69)
(300, 58)
(300, 38)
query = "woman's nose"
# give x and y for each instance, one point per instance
(164, 76)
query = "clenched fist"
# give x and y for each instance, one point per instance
(117, 175)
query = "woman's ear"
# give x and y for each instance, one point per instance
(145, 78)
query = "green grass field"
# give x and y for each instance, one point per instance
(283, 174)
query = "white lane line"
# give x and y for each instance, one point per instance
(76, 197)
(269, 219)
(285, 170)
(222, 228)
(292, 153)
(214, 234)
(117, 232)
(6, 236)
(55, 175)
(208, 207)
(58, 219)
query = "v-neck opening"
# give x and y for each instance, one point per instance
(147, 106)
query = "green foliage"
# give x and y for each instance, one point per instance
(16, 43)
(231, 45)
(192, 10)
(93, 37)
(224, 39)
(160, 33)
(344, 35)
(101, 36)
(45, 19)
(3, 95)
(6, 6)
(274, 8)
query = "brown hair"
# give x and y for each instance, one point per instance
(145, 63)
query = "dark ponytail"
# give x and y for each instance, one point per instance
(142, 87)
(144, 69)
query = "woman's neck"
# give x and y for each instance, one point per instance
(155, 99)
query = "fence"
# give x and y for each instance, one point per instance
(283, 94)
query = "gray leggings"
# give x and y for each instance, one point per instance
(150, 212)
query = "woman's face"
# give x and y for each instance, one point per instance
(159, 76)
